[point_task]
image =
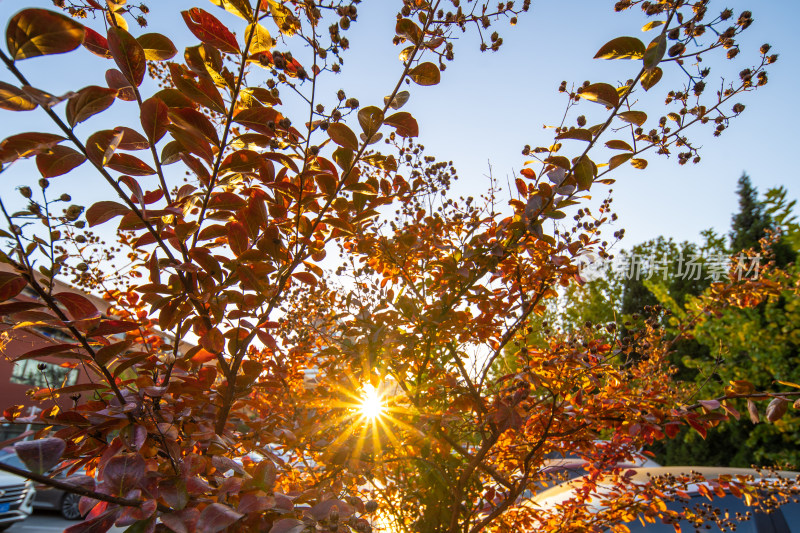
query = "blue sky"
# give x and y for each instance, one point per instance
(490, 105)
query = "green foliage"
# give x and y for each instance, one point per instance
(753, 222)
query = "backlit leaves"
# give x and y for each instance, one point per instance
(89, 101)
(370, 118)
(343, 136)
(100, 146)
(652, 24)
(651, 77)
(343, 157)
(157, 47)
(622, 48)
(128, 55)
(405, 124)
(655, 52)
(116, 80)
(38, 32)
(11, 285)
(129, 164)
(260, 119)
(602, 93)
(15, 99)
(398, 101)
(425, 74)
(240, 8)
(96, 43)
(407, 29)
(576, 133)
(241, 161)
(210, 30)
(27, 144)
(58, 160)
(283, 17)
(641, 164)
(104, 211)
(154, 118)
(585, 171)
(245, 222)
(616, 144)
(617, 160)
(78, 306)
(261, 41)
(633, 117)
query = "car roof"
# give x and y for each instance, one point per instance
(642, 475)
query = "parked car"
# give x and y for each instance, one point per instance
(48, 497)
(785, 519)
(16, 494)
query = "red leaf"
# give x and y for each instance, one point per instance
(58, 160)
(39, 32)
(672, 429)
(124, 472)
(425, 74)
(89, 101)
(258, 119)
(288, 525)
(203, 92)
(96, 43)
(116, 80)
(184, 521)
(306, 277)
(47, 350)
(157, 47)
(99, 524)
(78, 306)
(242, 161)
(322, 510)
(191, 119)
(129, 164)
(343, 136)
(213, 341)
(128, 55)
(104, 211)
(15, 99)
(131, 139)
(208, 29)
(217, 517)
(40, 455)
(710, 404)
(154, 119)
(406, 124)
(112, 327)
(101, 145)
(237, 238)
(11, 285)
(697, 427)
(27, 144)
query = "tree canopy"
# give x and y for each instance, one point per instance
(304, 319)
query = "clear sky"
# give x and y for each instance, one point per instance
(490, 105)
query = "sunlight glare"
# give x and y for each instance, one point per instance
(371, 406)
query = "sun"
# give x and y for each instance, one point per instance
(371, 405)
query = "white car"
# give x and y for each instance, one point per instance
(16, 495)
